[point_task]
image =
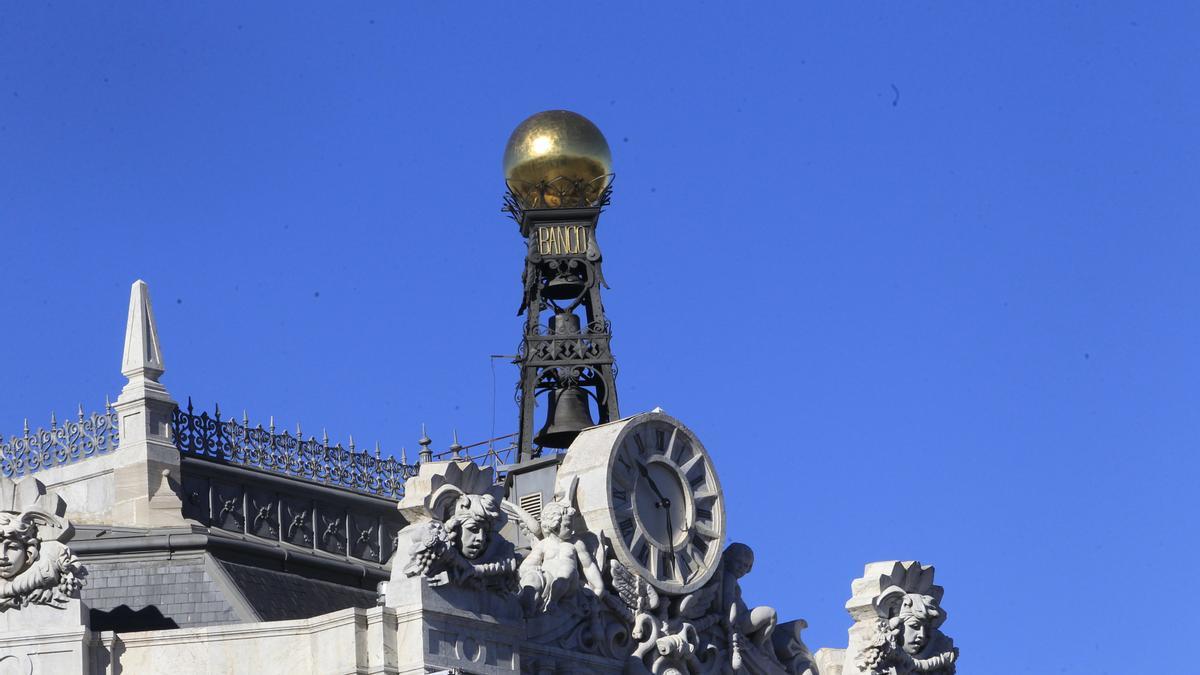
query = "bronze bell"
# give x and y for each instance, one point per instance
(565, 323)
(564, 286)
(569, 414)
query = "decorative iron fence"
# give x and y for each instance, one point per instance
(76, 440)
(287, 454)
(484, 453)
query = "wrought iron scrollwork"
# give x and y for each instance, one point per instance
(236, 442)
(561, 192)
(73, 441)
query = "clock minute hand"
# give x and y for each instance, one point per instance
(664, 504)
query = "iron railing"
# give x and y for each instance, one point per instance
(281, 452)
(236, 442)
(75, 440)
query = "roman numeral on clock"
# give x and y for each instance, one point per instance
(626, 526)
(620, 494)
(643, 555)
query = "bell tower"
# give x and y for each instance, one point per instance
(558, 169)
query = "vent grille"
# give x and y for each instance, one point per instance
(532, 504)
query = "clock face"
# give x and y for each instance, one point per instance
(668, 515)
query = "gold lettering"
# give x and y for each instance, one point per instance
(561, 240)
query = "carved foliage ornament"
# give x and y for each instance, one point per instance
(36, 567)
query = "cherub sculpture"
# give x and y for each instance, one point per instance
(559, 564)
(35, 565)
(907, 637)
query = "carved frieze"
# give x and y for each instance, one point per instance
(273, 510)
(331, 528)
(296, 521)
(364, 537)
(262, 513)
(228, 506)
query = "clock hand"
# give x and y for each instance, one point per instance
(663, 503)
(670, 531)
(650, 481)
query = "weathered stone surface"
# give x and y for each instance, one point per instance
(44, 639)
(36, 567)
(897, 622)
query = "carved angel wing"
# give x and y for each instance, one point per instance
(633, 590)
(524, 518)
(569, 496)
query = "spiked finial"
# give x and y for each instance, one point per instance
(403, 455)
(351, 442)
(426, 455)
(143, 353)
(455, 447)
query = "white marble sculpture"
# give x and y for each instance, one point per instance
(559, 563)
(898, 619)
(36, 567)
(455, 537)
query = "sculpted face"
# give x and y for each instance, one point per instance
(474, 538)
(916, 635)
(739, 560)
(14, 556)
(565, 529)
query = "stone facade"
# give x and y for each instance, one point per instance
(611, 558)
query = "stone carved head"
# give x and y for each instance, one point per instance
(471, 526)
(911, 618)
(466, 499)
(28, 516)
(35, 566)
(738, 559)
(905, 607)
(559, 517)
(18, 544)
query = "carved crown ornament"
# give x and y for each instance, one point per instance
(36, 567)
(899, 614)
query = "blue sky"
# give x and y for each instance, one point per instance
(921, 276)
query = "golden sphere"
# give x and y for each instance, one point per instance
(557, 144)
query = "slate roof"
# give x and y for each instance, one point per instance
(277, 595)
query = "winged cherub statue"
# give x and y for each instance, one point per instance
(559, 563)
